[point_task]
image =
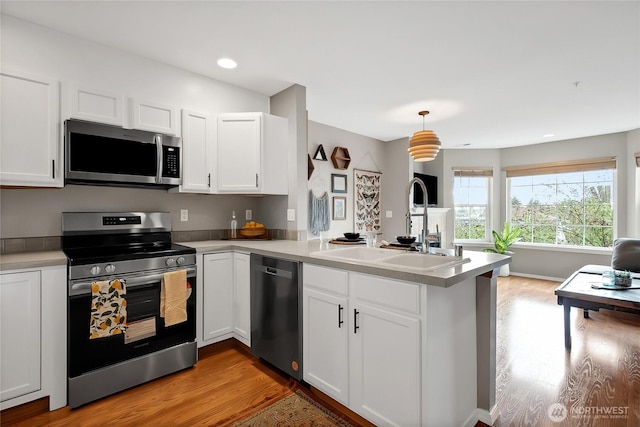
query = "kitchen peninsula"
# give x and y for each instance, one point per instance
(395, 344)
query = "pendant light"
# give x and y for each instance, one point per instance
(424, 145)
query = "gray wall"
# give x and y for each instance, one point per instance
(366, 154)
(394, 187)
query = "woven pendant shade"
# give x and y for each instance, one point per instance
(424, 145)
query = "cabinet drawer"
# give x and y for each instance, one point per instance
(325, 278)
(403, 296)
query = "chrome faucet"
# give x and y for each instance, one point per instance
(425, 221)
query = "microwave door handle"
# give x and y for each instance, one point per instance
(158, 141)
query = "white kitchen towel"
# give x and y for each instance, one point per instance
(318, 213)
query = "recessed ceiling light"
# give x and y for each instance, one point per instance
(548, 135)
(227, 63)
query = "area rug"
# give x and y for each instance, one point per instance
(298, 410)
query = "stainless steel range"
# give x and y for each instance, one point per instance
(124, 272)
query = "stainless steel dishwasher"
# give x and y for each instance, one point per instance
(276, 313)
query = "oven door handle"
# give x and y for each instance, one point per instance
(84, 287)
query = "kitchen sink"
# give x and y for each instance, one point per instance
(358, 253)
(424, 262)
(380, 257)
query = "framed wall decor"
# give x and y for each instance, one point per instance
(366, 201)
(338, 183)
(339, 208)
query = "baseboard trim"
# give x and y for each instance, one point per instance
(488, 417)
(536, 276)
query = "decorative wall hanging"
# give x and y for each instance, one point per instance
(340, 158)
(338, 183)
(320, 154)
(310, 167)
(366, 207)
(339, 208)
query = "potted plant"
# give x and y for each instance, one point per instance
(501, 243)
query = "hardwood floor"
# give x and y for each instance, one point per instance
(598, 381)
(226, 385)
(600, 375)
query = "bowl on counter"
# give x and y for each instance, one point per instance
(352, 236)
(252, 232)
(405, 240)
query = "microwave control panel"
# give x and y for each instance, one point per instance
(171, 167)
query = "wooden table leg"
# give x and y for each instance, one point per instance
(567, 327)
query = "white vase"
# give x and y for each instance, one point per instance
(504, 271)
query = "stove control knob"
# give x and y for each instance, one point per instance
(110, 268)
(170, 262)
(95, 270)
(180, 260)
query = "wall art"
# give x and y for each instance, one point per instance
(366, 201)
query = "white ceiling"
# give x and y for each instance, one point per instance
(493, 74)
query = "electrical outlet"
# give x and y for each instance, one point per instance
(291, 214)
(184, 215)
(248, 214)
(389, 214)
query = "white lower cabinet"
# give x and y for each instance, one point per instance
(226, 298)
(385, 366)
(20, 351)
(241, 297)
(33, 356)
(325, 343)
(217, 295)
(362, 343)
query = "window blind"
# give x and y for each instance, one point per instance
(561, 167)
(472, 171)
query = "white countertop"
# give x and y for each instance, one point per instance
(26, 260)
(480, 262)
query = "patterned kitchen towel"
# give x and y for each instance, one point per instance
(173, 297)
(108, 308)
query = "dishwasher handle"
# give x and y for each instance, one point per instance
(271, 271)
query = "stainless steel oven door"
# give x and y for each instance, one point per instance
(143, 314)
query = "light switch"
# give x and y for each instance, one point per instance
(291, 214)
(248, 214)
(184, 215)
(388, 214)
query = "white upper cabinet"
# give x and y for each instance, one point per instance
(95, 105)
(154, 117)
(252, 153)
(198, 153)
(30, 148)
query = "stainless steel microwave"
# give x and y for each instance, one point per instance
(99, 154)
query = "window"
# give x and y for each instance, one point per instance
(471, 189)
(569, 204)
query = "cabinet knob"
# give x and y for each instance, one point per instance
(95, 270)
(110, 268)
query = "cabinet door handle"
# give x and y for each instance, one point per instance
(355, 321)
(209, 180)
(53, 168)
(256, 180)
(340, 321)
